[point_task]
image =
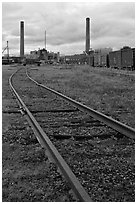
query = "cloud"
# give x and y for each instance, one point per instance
(112, 24)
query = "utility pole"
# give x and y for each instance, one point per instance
(6, 48)
(45, 39)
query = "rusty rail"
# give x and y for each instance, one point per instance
(51, 151)
(114, 124)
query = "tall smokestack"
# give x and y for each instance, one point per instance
(22, 39)
(87, 35)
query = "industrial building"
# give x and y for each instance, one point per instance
(103, 57)
(46, 56)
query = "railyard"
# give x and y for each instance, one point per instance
(68, 115)
(101, 159)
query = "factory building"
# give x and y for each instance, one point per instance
(46, 56)
(40, 54)
(76, 59)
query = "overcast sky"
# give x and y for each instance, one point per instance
(112, 25)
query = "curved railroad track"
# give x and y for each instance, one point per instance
(76, 135)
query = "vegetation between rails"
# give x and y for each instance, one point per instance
(107, 90)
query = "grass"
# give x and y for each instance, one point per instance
(107, 90)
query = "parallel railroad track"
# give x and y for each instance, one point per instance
(70, 123)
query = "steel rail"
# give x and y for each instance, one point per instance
(51, 151)
(114, 124)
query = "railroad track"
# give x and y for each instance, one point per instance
(72, 128)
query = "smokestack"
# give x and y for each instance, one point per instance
(22, 39)
(87, 35)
